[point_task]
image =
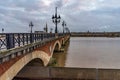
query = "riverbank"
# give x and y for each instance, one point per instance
(95, 34)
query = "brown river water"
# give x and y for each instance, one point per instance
(91, 52)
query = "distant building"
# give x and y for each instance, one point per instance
(51, 29)
(39, 32)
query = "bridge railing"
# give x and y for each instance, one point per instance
(13, 40)
(15, 44)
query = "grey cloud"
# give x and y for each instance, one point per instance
(58, 3)
(16, 14)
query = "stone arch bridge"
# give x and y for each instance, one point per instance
(29, 47)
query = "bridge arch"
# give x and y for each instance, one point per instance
(56, 46)
(35, 62)
(62, 41)
(16, 67)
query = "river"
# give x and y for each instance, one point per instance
(91, 52)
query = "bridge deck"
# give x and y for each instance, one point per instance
(61, 73)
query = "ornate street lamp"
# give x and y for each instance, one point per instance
(31, 26)
(56, 20)
(46, 28)
(2, 30)
(67, 30)
(63, 24)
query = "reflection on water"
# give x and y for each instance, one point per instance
(93, 52)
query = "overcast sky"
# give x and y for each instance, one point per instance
(80, 15)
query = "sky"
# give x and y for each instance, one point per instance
(79, 15)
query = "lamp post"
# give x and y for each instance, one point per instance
(2, 30)
(63, 24)
(31, 26)
(56, 20)
(67, 30)
(46, 28)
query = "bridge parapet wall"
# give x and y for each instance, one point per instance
(66, 73)
(38, 40)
